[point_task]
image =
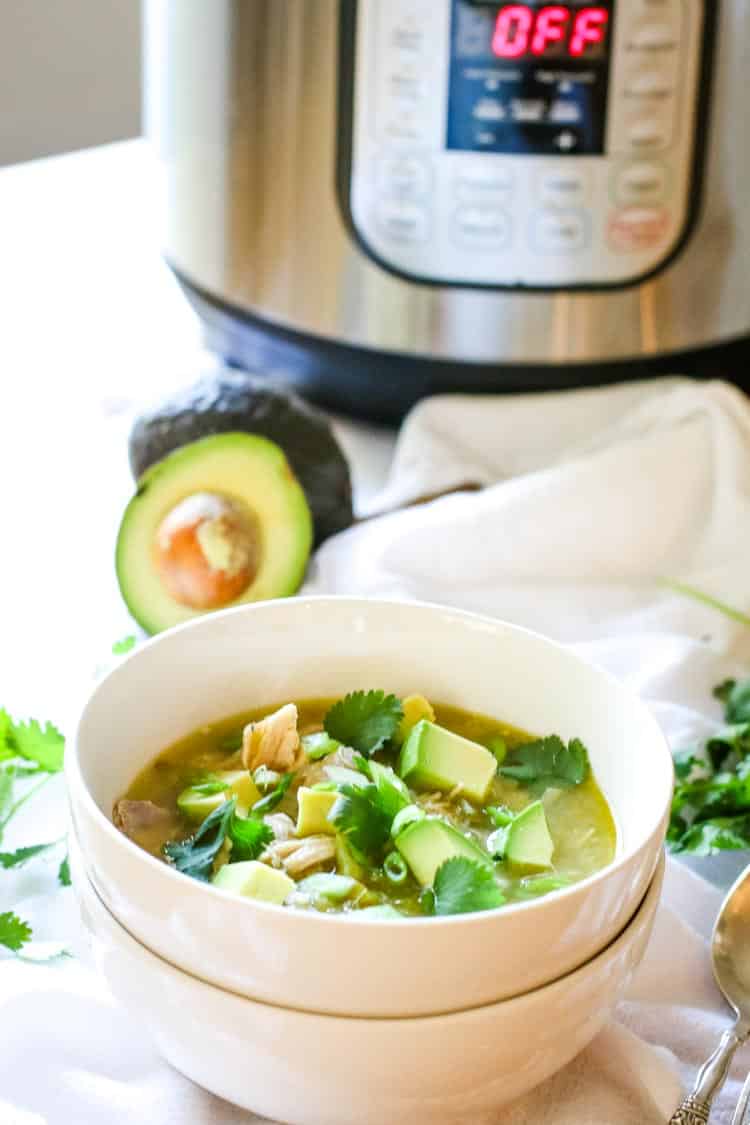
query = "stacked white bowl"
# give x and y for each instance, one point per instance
(313, 1018)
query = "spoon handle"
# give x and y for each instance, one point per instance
(696, 1108)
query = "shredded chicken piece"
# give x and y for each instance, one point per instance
(440, 804)
(314, 772)
(297, 856)
(274, 742)
(281, 825)
(133, 816)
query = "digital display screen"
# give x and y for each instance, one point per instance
(530, 78)
(554, 31)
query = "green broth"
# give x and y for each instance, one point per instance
(579, 818)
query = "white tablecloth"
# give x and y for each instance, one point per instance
(588, 501)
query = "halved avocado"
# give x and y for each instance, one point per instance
(218, 522)
(228, 401)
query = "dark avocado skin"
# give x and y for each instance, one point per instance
(236, 402)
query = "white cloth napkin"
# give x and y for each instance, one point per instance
(589, 499)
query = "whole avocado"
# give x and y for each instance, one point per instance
(237, 402)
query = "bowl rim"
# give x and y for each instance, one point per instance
(74, 772)
(648, 904)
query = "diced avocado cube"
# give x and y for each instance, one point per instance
(383, 911)
(427, 844)
(416, 708)
(255, 880)
(530, 847)
(313, 807)
(435, 758)
(332, 888)
(197, 806)
(246, 792)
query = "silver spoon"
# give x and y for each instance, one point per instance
(730, 954)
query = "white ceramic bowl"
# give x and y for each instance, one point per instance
(306, 1069)
(262, 654)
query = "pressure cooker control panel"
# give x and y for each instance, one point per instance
(535, 145)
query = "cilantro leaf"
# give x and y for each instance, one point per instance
(63, 874)
(14, 933)
(686, 761)
(268, 803)
(195, 856)
(23, 855)
(6, 724)
(708, 837)
(250, 837)
(547, 763)
(730, 744)
(393, 794)
(127, 644)
(360, 816)
(37, 742)
(364, 720)
(463, 886)
(735, 695)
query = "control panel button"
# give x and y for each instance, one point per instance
(404, 176)
(638, 228)
(648, 135)
(563, 187)
(403, 222)
(402, 123)
(641, 183)
(652, 84)
(655, 37)
(482, 228)
(479, 180)
(559, 231)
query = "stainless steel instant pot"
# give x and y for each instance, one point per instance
(379, 199)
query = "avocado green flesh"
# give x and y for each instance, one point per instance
(435, 758)
(427, 844)
(248, 469)
(251, 879)
(530, 846)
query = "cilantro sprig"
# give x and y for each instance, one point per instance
(463, 886)
(361, 817)
(711, 803)
(547, 763)
(195, 856)
(364, 720)
(14, 932)
(31, 753)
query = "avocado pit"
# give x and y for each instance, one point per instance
(207, 550)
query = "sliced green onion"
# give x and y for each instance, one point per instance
(319, 745)
(265, 778)
(406, 817)
(395, 868)
(500, 815)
